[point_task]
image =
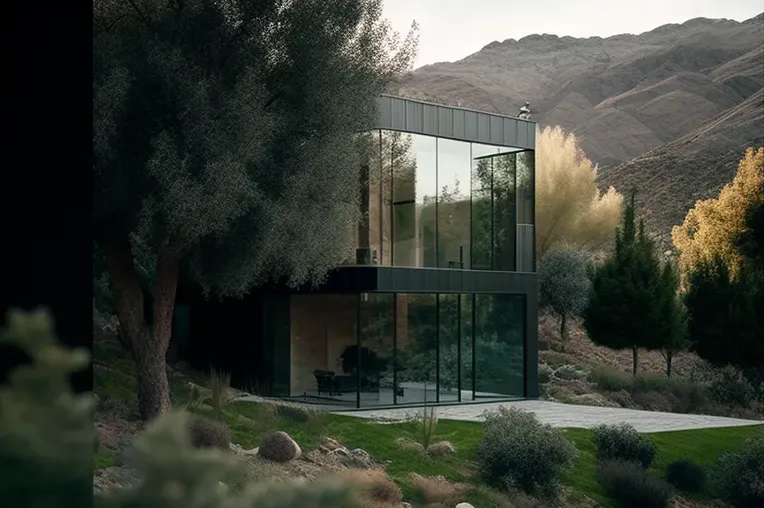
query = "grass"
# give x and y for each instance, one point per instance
(250, 422)
(703, 446)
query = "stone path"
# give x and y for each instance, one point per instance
(569, 415)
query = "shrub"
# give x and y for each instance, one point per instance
(292, 413)
(623, 442)
(739, 476)
(375, 486)
(731, 387)
(206, 433)
(610, 379)
(630, 486)
(686, 475)
(517, 450)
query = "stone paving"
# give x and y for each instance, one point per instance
(568, 415)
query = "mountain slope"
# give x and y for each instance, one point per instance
(666, 102)
(672, 177)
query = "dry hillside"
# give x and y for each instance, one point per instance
(671, 108)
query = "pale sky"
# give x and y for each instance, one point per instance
(450, 30)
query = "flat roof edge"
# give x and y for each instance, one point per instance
(420, 117)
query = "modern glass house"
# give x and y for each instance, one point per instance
(439, 303)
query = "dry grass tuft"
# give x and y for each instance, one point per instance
(375, 488)
(437, 490)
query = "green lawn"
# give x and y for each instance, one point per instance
(249, 422)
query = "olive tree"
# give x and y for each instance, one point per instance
(224, 146)
(564, 284)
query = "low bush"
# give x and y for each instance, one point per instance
(610, 379)
(731, 387)
(375, 487)
(518, 451)
(739, 476)
(206, 433)
(686, 475)
(292, 413)
(622, 442)
(685, 395)
(630, 486)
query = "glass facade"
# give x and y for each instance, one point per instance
(441, 203)
(383, 349)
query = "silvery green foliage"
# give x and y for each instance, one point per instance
(622, 442)
(517, 450)
(739, 476)
(227, 128)
(46, 432)
(563, 281)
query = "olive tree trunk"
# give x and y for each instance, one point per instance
(145, 321)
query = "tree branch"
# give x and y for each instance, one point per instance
(139, 14)
(126, 286)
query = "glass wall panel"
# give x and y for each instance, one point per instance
(454, 179)
(499, 338)
(413, 194)
(367, 233)
(416, 348)
(467, 349)
(526, 217)
(482, 210)
(323, 338)
(377, 348)
(448, 347)
(504, 212)
(526, 187)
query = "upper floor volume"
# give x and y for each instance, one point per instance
(446, 187)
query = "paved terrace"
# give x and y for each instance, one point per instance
(568, 415)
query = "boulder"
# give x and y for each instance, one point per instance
(464, 505)
(279, 447)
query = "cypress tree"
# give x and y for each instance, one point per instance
(633, 303)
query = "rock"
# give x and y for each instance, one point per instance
(441, 448)
(341, 452)
(464, 505)
(405, 505)
(331, 444)
(405, 443)
(279, 447)
(241, 451)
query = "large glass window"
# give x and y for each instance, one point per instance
(482, 207)
(526, 176)
(323, 339)
(466, 352)
(504, 212)
(449, 334)
(494, 208)
(416, 348)
(499, 338)
(454, 180)
(376, 353)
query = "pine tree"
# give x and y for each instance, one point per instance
(633, 300)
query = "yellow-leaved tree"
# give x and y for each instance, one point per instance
(570, 209)
(712, 227)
